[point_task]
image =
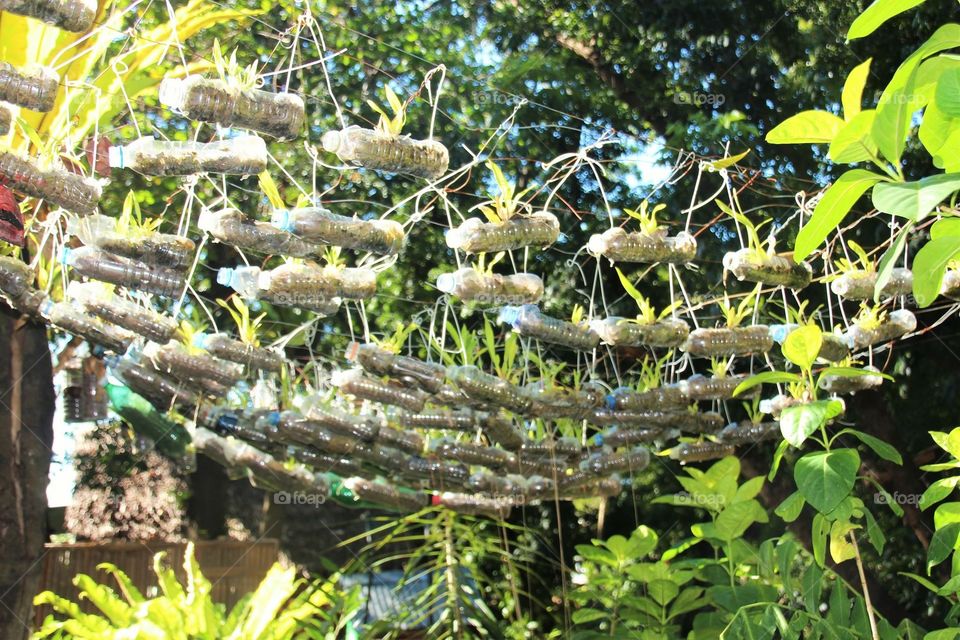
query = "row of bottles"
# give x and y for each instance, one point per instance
(76, 16)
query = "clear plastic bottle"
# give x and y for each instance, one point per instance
(700, 451)
(724, 342)
(338, 421)
(240, 156)
(549, 401)
(602, 464)
(16, 277)
(484, 387)
(617, 245)
(155, 249)
(833, 347)
(175, 358)
(539, 488)
(228, 348)
(30, 302)
(897, 324)
(153, 385)
(842, 385)
(280, 115)
(6, 119)
(548, 467)
(316, 224)
(474, 505)
(497, 484)
(286, 289)
(552, 448)
(476, 236)
(775, 405)
(860, 284)
(383, 152)
(323, 462)
(699, 387)
(229, 226)
(600, 488)
(406, 441)
(101, 302)
(616, 437)
(75, 16)
(386, 494)
(428, 376)
(622, 332)
(72, 319)
(529, 322)
(385, 458)
(503, 430)
(690, 421)
(950, 287)
(356, 384)
(438, 472)
(472, 454)
(771, 270)
(749, 432)
(55, 185)
(447, 419)
(670, 396)
(330, 282)
(295, 428)
(34, 88)
(96, 264)
(471, 285)
(450, 396)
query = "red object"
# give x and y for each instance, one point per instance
(11, 220)
(100, 163)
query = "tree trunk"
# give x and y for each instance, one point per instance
(26, 440)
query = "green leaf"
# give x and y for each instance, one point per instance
(735, 519)
(841, 549)
(833, 206)
(947, 96)
(663, 591)
(938, 491)
(820, 529)
(949, 442)
(825, 478)
(874, 532)
(749, 489)
(852, 96)
(889, 259)
(802, 345)
(777, 459)
(807, 127)
(945, 227)
(854, 143)
(582, 616)
(878, 13)
(789, 510)
(723, 163)
(915, 200)
(269, 188)
(799, 421)
(929, 265)
(881, 448)
(766, 377)
(942, 544)
(628, 286)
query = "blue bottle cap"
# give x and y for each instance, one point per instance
(281, 220)
(225, 276)
(200, 340)
(509, 315)
(65, 255)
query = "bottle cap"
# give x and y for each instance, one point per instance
(200, 340)
(509, 315)
(172, 93)
(281, 220)
(454, 238)
(225, 276)
(352, 350)
(596, 245)
(65, 253)
(331, 141)
(446, 282)
(206, 220)
(115, 157)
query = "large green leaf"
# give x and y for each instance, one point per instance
(929, 266)
(940, 135)
(833, 206)
(802, 345)
(799, 421)
(878, 13)
(854, 143)
(942, 544)
(852, 95)
(915, 200)
(825, 478)
(947, 97)
(766, 377)
(807, 127)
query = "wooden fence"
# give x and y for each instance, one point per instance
(233, 568)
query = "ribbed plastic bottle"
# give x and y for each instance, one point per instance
(330, 282)
(472, 454)
(449, 419)
(406, 441)
(438, 472)
(700, 451)
(833, 347)
(897, 324)
(228, 348)
(699, 387)
(360, 386)
(72, 319)
(669, 396)
(474, 505)
(295, 428)
(55, 185)
(109, 307)
(618, 245)
(34, 88)
(175, 358)
(428, 376)
(476, 236)
(771, 270)
(386, 494)
(240, 156)
(747, 432)
(632, 461)
(75, 16)
(775, 405)
(153, 385)
(482, 386)
(471, 285)
(339, 421)
(529, 322)
(155, 249)
(390, 460)
(96, 264)
(503, 430)
(316, 224)
(229, 226)
(538, 488)
(724, 342)
(285, 288)
(280, 115)
(497, 484)
(220, 450)
(860, 284)
(616, 437)
(950, 287)
(622, 332)
(16, 277)
(6, 119)
(552, 448)
(600, 488)
(842, 385)
(383, 152)
(549, 401)
(323, 462)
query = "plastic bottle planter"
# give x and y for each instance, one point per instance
(618, 245)
(529, 322)
(484, 387)
(552, 448)
(427, 376)
(16, 277)
(473, 505)
(951, 284)
(227, 348)
(437, 471)
(360, 427)
(386, 494)
(99, 265)
(383, 152)
(603, 464)
(508, 486)
(322, 462)
(450, 396)
(775, 405)
(833, 348)
(364, 388)
(55, 185)
(280, 115)
(294, 428)
(687, 421)
(471, 285)
(386, 458)
(476, 236)
(860, 285)
(700, 387)
(728, 341)
(84, 396)
(771, 270)
(447, 419)
(316, 224)
(34, 89)
(671, 396)
(406, 441)
(616, 437)
(621, 332)
(558, 402)
(842, 385)
(602, 488)
(700, 451)
(240, 156)
(472, 454)
(155, 249)
(174, 358)
(329, 282)
(499, 428)
(141, 321)
(70, 15)
(291, 287)
(71, 319)
(749, 432)
(6, 120)
(895, 325)
(539, 488)
(229, 226)
(154, 386)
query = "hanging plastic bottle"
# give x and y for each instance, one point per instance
(84, 396)
(471, 285)
(749, 432)
(75, 16)
(428, 376)
(175, 358)
(950, 287)
(322, 462)
(96, 264)
(860, 284)
(448, 419)
(389, 153)
(316, 224)
(104, 304)
(529, 322)
(775, 405)
(71, 319)
(700, 451)
(842, 385)
(16, 277)
(295, 428)
(55, 185)
(670, 396)
(616, 437)
(220, 450)
(438, 472)
(602, 464)
(600, 488)
(34, 88)
(386, 494)
(330, 282)
(287, 285)
(474, 505)
(356, 384)
(472, 454)
(724, 342)
(239, 156)
(6, 120)
(688, 421)
(229, 226)
(552, 448)
(833, 347)
(501, 429)
(155, 249)
(360, 427)
(617, 245)
(549, 401)
(622, 332)
(170, 438)
(699, 387)
(406, 441)
(153, 385)
(539, 488)
(450, 396)
(771, 270)
(280, 115)
(476, 236)
(388, 459)
(482, 386)
(228, 348)
(897, 324)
